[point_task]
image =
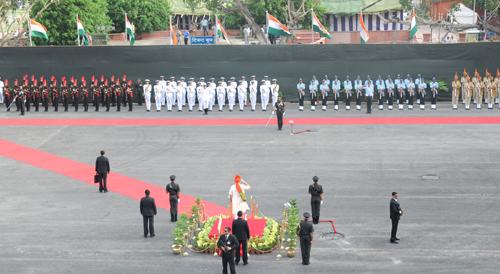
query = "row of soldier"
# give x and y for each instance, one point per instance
(116, 91)
(476, 90)
(403, 91)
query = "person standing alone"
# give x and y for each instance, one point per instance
(279, 107)
(395, 212)
(305, 232)
(173, 190)
(148, 211)
(316, 191)
(242, 233)
(102, 169)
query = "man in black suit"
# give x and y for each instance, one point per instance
(102, 169)
(395, 212)
(227, 243)
(242, 233)
(148, 211)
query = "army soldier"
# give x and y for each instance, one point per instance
(96, 92)
(478, 90)
(348, 92)
(146, 89)
(212, 88)
(434, 86)
(125, 86)
(358, 86)
(181, 89)
(28, 94)
(205, 97)
(130, 95)
(45, 96)
(85, 94)
(417, 86)
(336, 92)
(184, 90)
(65, 92)
(244, 82)
(139, 91)
(389, 84)
(221, 95)
(411, 93)
(6, 93)
(231, 94)
(173, 84)
(173, 191)
(279, 107)
(369, 90)
(395, 214)
(496, 87)
(380, 84)
(199, 93)
(21, 100)
(158, 89)
(264, 93)
(464, 85)
(488, 96)
(108, 93)
(35, 91)
(316, 192)
(171, 91)
(54, 94)
(242, 95)
(400, 85)
(119, 93)
(253, 92)
(275, 88)
(313, 89)
(407, 82)
(324, 88)
(301, 89)
(75, 93)
(456, 85)
(163, 85)
(468, 92)
(422, 86)
(305, 232)
(191, 94)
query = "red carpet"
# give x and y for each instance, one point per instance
(248, 121)
(123, 185)
(256, 227)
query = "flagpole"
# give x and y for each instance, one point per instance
(29, 34)
(125, 29)
(267, 28)
(77, 30)
(312, 26)
(170, 30)
(216, 29)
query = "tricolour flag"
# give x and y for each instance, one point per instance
(413, 26)
(220, 31)
(38, 30)
(275, 27)
(129, 31)
(319, 28)
(363, 31)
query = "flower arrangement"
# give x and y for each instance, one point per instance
(202, 241)
(181, 234)
(269, 239)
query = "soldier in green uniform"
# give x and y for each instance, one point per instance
(279, 107)
(305, 232)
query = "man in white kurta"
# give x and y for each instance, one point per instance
(237, 202)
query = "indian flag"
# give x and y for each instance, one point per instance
(363, 31)
(413, 25)
(221, 32)
(38, 30)
(275, 27)
(319, 28)
(130, 31)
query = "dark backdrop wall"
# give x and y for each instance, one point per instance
(286, 63)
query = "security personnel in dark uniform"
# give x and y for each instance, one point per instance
(139, 91)
(305, 231)
(228, 244)
(279, 107)
(102, 169)
(316, 191)
(173, 190)
(395, 213)
(148, 212)
(242, 233)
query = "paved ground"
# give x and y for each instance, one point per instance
(447, 176)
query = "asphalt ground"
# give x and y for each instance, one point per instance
(447, 176)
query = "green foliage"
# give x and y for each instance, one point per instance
(202, 241)
(269, 239)
(60, 19)
(291, 223)
(488, 4)
(181, 230)
(146, 15)
(406, 4)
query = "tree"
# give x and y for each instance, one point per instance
(146, 15)
(14, 14)
(60, 19)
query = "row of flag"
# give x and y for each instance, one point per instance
(274, 27)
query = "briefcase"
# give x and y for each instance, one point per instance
(96, 178)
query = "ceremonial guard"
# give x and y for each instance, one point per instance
(389, 84)
(139, 91)
(158, 89)
(118, 94)
(96, 92)
(146, 89)
(212, 87)
(336, 92)
(369, 90)
(125, 86)
(434, 86)
(468, 92)
(464, 85)
(199, 93)
(21, 100)
(313, 89)
(488, 90)
(231, 94)
(45, 95)
(6, 94)
(478, 90)
(348, 92)
(407, 83)
(108, 94)
(380, 84)
(228, 244)
(75, 94)
(173, 84)
(418, 81)
(279, 107)
(191, 94)
(327, 81)
(305, 232)
(411, 93)
(455, 93)
(324, 88)
(301, 89)
(264, 93)
(496, 88)
(400, 85)
(275, 89)
(130, 95)
(244, 82)
(36, 94)
(173, 191)
(54, 94)
(358, 86)
(65, 92)
(253, 92)
(28, 95)
(181, 89)
(221, 95)
(2, 86)
(316, 192)
(103, 94)
(184, 90)
(242, 95)
(85, 94)
(395, 214)
(422, 86)
(163, 85)
(171, 92)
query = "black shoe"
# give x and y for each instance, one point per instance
(105, 191)
(397, 239)
(100, 190)
(152, 236)
(145, 236)
(394, 242)
(245, 263)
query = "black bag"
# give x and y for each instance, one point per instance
(96, 178)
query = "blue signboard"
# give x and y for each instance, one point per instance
(202, 40)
